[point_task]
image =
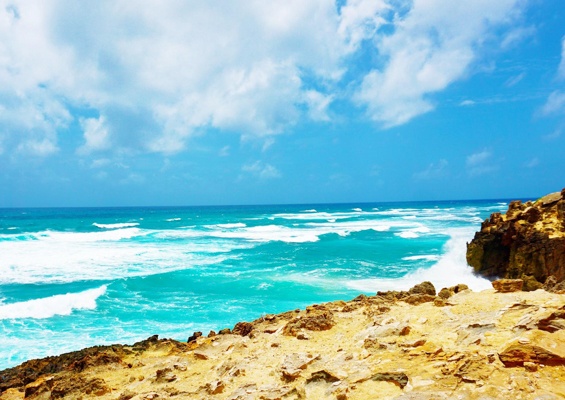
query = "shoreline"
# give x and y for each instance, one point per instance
(397, 344)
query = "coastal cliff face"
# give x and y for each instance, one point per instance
(528, 242)
(394, 345)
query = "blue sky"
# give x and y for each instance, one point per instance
(121, 103)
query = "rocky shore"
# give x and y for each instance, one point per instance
(503, 343)
(394, 345)
(528, 242)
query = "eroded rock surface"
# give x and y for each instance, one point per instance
(463, 344)
(528, 242)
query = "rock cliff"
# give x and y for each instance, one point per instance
(528, 242)
(457, 344)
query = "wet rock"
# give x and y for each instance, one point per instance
(508, 285)
(225, 331)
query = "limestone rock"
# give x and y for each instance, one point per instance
(508, 285)
(529, 241)
(535, 346)
(242, 328)
(316, 320)
(295, 363)
(423, 288)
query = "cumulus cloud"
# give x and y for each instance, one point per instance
(95, 135)
(160, 73)
(432, 46)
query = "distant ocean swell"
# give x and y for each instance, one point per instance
(71, 278)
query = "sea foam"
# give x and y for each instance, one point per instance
(450, 270)
(63, 304)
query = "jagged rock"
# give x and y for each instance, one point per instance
(242, 328)
(535, 346)
(423, 288)
(42, 385)
(398, 378)
(508, 285)
(528, 241)
(165, 375)
(530, 283)
(415, 299)
(295, 363)
(554, 322)
(322, 375)
(64, 388)
(316, 320)
(194, 336)
(215, 387)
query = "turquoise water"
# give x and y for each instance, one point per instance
(77, 277)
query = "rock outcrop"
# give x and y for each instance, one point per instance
(528, 242)
(456, 345)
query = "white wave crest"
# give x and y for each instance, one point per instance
(172, 219)
(429, 257)
(229, 226)
(116, 226)
(63, 304)
(413, 233)
(450, 270)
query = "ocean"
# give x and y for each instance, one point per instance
(77, 277)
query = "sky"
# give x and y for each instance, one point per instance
(180, 102)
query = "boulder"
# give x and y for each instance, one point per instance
(314, 320)
(508, 285)
(423, 288)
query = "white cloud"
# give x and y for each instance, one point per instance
(163, 72)
(478, 158)
(95, 135)
(561, 69)
(261, 170)
(466, 103)
(480, 163)
(42, 147)
(555, 103)
(432, 46)
(180, 66)
(361, 19)
(514, 80)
